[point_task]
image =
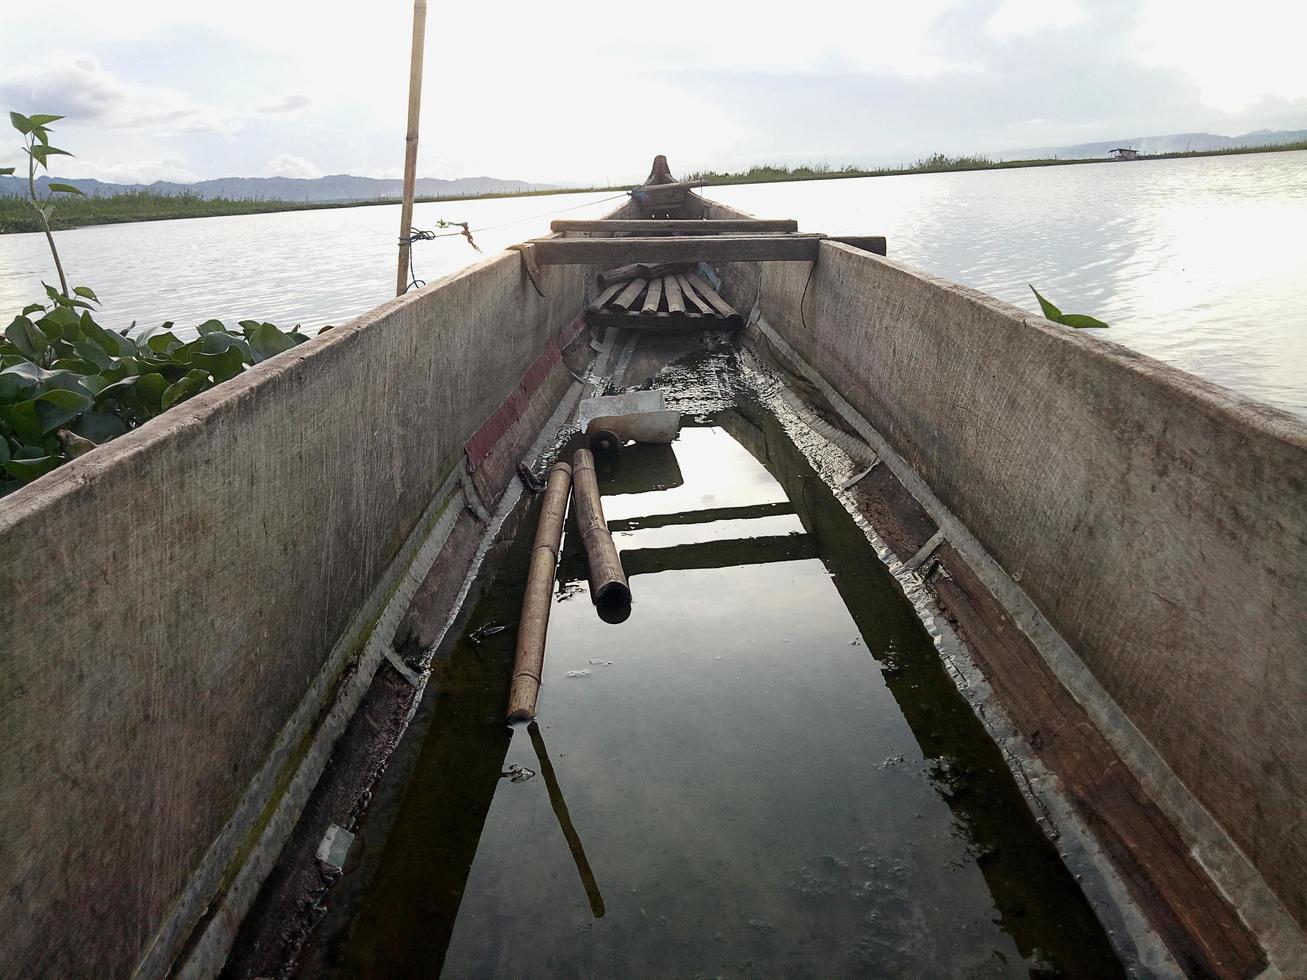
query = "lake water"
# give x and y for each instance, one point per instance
(1200, 262)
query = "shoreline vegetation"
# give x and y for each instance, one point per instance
(16, 216)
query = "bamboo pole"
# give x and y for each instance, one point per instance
(533, 625)
(607, 580)
(411, 142)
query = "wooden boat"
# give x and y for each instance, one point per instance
(202, 614)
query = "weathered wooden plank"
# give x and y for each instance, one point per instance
(653, 297)
(675, 301)
(692, 298)
(627, 297)
(868, 243)
(686, 249)
(681, 225)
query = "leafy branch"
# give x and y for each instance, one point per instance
(35, 131)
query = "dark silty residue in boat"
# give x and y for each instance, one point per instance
(765, 769)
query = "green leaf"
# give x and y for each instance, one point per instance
(86, 292)
(99, 426)
(223, 366)
(4, 450)
(29, 469)
(109, 342)
(117, 390)
(6, 171)
(29, 341)
(42, 151)
(1050, 311)
(212, 326)
(20, 122)
(57, 408)
(31, 308)
(219, 343)
(60, 322)
(192, 383)
(1080, 321)
(266, 340)
(22, 420)
(93, 352)
(43, 120)
(148, 393)
(56, 186)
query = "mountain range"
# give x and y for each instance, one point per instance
(1174, 143)
(345, 187)
(335, 188)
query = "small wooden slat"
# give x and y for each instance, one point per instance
(692, 298)
(689, 249)
(653, 297)
(675, 301)
(868, 243)
(680, 225)
(627, 297)
(604, 298)
(708, 293)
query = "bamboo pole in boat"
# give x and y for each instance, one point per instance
(692, 298)
(653, 297)
(606, 297)
(708, 293)
(627, 297)
(607, 580)
(533, 625)
(675, 300)
(411, 142)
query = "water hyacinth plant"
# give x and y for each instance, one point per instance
(67, 384)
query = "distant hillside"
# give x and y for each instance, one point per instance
(336, 188)
(1175, 143)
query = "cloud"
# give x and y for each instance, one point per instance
(79, 87)
(290, 103)
(289, 165)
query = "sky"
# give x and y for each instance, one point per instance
(588, 92)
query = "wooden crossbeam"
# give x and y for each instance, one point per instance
(693, 248)
(684, 226)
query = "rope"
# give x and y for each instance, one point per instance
(419, 235)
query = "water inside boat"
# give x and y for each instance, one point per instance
(764, 770)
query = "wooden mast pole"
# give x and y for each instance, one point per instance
(411, 142)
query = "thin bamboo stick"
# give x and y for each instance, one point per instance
(533, 624)
(608, 585)
(411, 142)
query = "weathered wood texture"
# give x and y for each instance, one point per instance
(1073, 460)
(533, 624)
(695, 248)
(641, 270)
(679, 225)
(163, 667)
